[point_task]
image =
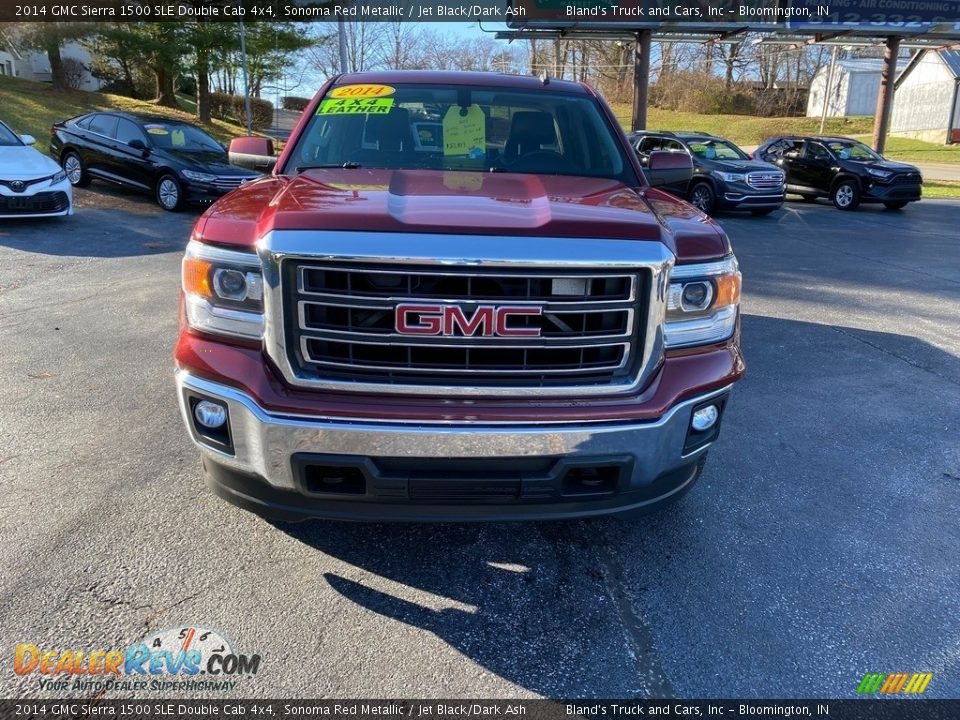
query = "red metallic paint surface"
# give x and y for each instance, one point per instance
(245, 368)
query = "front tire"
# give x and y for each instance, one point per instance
(76, 171)
(169, 193)
(846, 195)
(895, 204)
(703, 198)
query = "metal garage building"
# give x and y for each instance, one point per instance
(853, 89)
(926, 104)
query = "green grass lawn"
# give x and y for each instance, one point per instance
(941, 189)
(32, 107)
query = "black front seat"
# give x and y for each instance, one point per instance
(529, 132)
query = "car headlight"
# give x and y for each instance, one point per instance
(58, 178)
(732, 177)
(198, 176)
(879, 173)
(223, 291)
(702, 303)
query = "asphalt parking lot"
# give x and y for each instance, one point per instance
(821, 543)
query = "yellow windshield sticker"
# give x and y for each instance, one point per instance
(178, 138)
(361, 91)
(465, 132)
(355, 106)
(154, 130)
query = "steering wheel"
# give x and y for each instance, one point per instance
(540, 160)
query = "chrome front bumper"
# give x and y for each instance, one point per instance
(264, 446)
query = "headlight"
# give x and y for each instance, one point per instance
(732, 177)
(879, 173)
(702, 303)
(58, 178)
(198, 176)
(223, 291)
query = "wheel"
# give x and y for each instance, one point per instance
(846, 195)
(169, 193)
(75, 169)
(703, 198)
(809, 198)
(895, 204)
(760, 212)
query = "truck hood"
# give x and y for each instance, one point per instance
(462, 203)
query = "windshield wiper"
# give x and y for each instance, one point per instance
(347, 165)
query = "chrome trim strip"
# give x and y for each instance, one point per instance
(464, 251)
(702, 270)
(217, 254)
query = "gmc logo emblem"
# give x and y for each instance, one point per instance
(485, 320)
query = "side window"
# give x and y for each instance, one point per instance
(815, 151)
(84, 122)
(103, 125)
(127, 131)
(673, 146)
(649, 144)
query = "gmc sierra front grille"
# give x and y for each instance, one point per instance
(559, 328)
(765, 180)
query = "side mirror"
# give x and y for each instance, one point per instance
(669, 168)
(253, 153)
(137, 144)
(28, 139)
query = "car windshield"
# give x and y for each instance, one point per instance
(474, 128)
(181, 137)
(8, 138)
(852, 150)
(716, 150)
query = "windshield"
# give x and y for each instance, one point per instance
(180, 137)
(8, 137)
(852, 150)
(716, 150)
(479, 129)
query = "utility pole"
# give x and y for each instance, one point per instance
(826, 91)
(641, 79)
(342, 39)
(246, 78)
(888, 75)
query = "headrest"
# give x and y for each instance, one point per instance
(533, 127)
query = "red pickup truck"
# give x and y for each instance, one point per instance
(457, 297)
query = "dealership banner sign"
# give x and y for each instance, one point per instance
(461, 709)
(646, 13)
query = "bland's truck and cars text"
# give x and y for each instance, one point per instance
(459, 296)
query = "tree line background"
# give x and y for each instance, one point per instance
(202, 59)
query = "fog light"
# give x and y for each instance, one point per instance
(705, 418)
(210, 414)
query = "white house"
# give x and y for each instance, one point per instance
(926, 104)
(34, 65)
(853, 89)
(37, 67)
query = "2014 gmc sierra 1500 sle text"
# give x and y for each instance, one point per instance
(457, 297)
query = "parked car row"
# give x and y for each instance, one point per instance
(175, 161)
(178, 163)
(843, 170)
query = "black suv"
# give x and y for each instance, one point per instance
(724, 177)
(175, 161)
(844, 170)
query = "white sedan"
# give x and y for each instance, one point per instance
(31, 184)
